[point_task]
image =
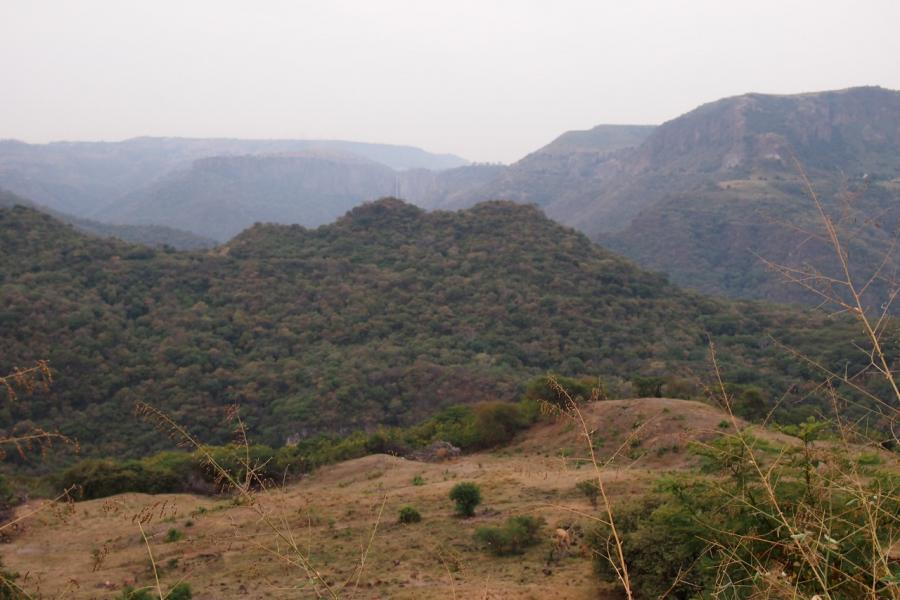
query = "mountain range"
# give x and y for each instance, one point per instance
(704, 197)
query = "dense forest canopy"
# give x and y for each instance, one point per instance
(379, 318)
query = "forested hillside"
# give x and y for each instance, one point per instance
(381, 317)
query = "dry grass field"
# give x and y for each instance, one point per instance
(92, 549)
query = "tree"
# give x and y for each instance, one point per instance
(467, 496)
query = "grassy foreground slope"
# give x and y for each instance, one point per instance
(332, 512)
(380, 318)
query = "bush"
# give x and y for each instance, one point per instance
(8, 588)
(182, 591)
(648, 387)
(590, 488)
(98, 478)
(697, 532)
(517, 534)
(543, 389)
(173, 535)
(418, 480)
(408, 515)
(467, 496)
(496, 423)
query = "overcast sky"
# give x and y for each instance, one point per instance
(490, 81)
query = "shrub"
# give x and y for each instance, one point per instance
(496, 423)
(8, 589)
(590, 488)
(648, 387)
(543, 389)
(173, 535)
(181, 591)
(418, 480)
(130, 593)
(517, 534)
(408, 515)
(696, 532)
(467, 496)
(97, 478)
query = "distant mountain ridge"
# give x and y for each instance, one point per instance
(220, 196)
(84, 178)
(148, 235)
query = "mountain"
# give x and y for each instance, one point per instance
(379, 318)
(711, 192)
(148, 235)
(84, 178)
(704, 196)
(218, 197)
(572, 166)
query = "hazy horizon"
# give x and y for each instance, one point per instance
(488, 83)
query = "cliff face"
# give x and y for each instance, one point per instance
(850, 129)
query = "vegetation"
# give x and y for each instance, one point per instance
(590, 489)
(181, 591)
(760, 533)
(384, 317)
(173, 535)
(513, 537)
(469, 427)
(408, 515)
(467, 496)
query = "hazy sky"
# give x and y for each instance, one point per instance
(489, 80)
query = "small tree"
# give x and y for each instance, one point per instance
(648, 387)
(408, 515)
(467, 496)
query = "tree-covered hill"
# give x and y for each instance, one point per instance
(379, 318)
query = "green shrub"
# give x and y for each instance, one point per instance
(181, 591)
(466, 495)
(408, 515)
(130, 593)
(517, 534)
(418, 480)
(590, 488)
(496, 423)
(173, 535)
(8, 588)
(648, 387)
(697, 532)
(98, 478)
(543, 389)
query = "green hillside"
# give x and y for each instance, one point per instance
(379, 318)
